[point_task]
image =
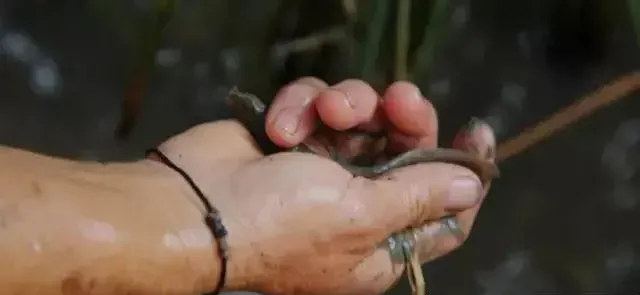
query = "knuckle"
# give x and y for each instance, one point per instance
(296, 94)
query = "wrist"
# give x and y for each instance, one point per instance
(190, 237)
(221, 275)
(160, 229)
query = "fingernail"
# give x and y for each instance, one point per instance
(417, 94)
(464, 192)
(288, 120)
(346, 97)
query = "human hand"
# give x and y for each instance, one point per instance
(300, 223)
(303, 109)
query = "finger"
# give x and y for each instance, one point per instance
(366, 142)
(291, 116)
(414, 118)
(477, 138)
(379, 270)
(413, 195)
(347, 104)
(436, 239)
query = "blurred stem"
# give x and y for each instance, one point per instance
(151, 32)
(402, 38)
(435, 28)
(331, 35)
(634, 8)
(371, 48)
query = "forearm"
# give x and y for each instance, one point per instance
(89, 228)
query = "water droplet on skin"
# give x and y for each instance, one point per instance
(98, 231)
(322, 194)
(188, 238)
(195, 238)
(172, 241)
(36, 247)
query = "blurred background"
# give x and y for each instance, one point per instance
(105, 79)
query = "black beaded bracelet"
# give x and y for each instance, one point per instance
(212, 219)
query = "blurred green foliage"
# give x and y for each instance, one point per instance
(356, 32)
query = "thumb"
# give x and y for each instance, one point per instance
(410, 196)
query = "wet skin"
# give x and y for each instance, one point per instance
(251, 111)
